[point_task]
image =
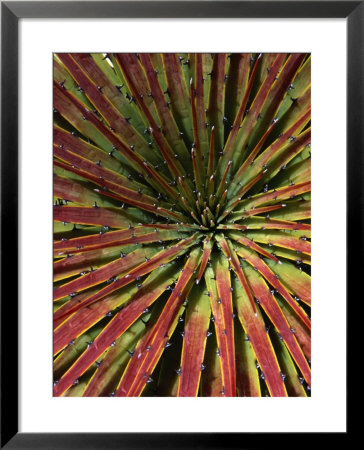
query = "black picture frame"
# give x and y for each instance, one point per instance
(11, 12)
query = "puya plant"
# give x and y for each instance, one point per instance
(182, 225)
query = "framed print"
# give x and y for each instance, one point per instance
(158, 160)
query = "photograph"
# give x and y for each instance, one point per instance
(157, 222)
(182, 224)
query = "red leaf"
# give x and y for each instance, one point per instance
(254, 327)
(261, 292)
(253, 259)
(150, 348)
(207, 247)
(194, 341)
(120, 323)
(160, 258)
(107, 272)
(91, 216)
(221, 306)
(251, 244)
